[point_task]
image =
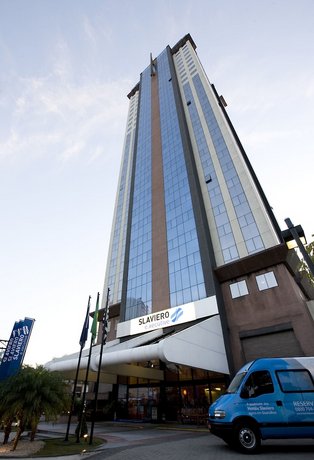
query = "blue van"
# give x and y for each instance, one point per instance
(269, 398)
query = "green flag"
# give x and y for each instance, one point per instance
(95, 320)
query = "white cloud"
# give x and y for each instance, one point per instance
(309, 88)
(267, 137)
(61, 60)
(90, 31)
(62, 119)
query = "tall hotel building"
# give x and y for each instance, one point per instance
(200, 279)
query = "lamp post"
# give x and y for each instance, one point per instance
(297, 234)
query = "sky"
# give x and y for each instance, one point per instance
(66, 67)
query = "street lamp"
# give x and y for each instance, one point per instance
(294, 237)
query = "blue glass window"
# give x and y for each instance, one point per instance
(115, 269)
(226, 238)
(139, 283)
(241, 205)
(185, 269)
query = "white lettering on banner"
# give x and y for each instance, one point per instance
(303, 406)
(303, 403)
(14, 352)
(21, 330)
(261, 408)
(15, 347)
(155, 317)
(165, 318)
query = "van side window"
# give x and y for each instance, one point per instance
(258, 383)
(295, 380)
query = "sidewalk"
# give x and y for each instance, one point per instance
(114, 434)
(26, 449)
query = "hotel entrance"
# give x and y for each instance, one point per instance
(184, 396)
(143, 403)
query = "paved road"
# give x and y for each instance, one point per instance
(190, 444)
(177, 442)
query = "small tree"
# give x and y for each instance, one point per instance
(304, 267)
(31, 393)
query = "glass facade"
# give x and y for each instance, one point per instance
(187, 204)
(193, 150)
(119, 231)
(186, 279)
(185, 269)
(249, 229)
(225, 234)
(185, 398)
(139, 283)
(115, 266)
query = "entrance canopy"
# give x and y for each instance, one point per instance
(199, 346)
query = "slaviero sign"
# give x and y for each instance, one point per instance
(170, 317)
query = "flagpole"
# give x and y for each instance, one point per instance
(93, 336)
(82, 343)
(103, 341)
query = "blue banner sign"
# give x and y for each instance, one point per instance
(16, 348)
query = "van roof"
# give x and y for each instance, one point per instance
(281, 363)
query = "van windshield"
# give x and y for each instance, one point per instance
(235, 383)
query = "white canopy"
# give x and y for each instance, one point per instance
(199, 346)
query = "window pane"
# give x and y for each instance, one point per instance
(266, 281)
(258, 383)
(243, 288)
(298, 380)
(234, 290)
(271, 279)
(261, 282)
(238, 289)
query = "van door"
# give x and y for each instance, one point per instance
(297, 388)
(260, 397)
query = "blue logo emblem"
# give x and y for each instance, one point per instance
(176, 315)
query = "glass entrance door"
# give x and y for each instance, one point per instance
(143, 403)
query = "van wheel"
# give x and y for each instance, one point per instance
(247, 438)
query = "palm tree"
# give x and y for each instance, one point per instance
(31, 393)
(7, 414)
(7, 428)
